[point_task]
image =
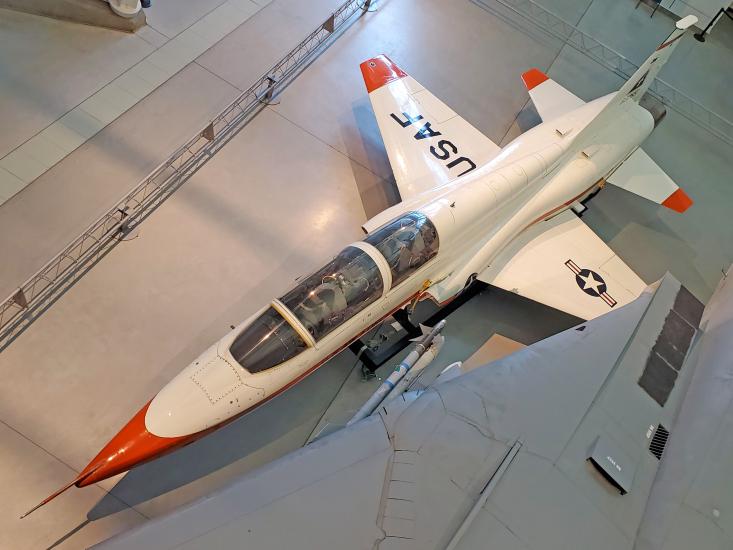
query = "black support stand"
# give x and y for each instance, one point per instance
(374, 352)
(700, 36)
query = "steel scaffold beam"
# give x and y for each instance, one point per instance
(611, 59)
(46, 285)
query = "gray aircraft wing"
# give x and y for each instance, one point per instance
(691, 503)
(556, 446)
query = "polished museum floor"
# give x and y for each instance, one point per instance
(287, 192)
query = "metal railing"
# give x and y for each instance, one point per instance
(611, 59)
(45, 286)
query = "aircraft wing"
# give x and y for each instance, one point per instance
(428, 144)
(552, 447)
(550, 99)
(562, 263)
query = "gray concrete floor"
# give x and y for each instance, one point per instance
(82, 60)
(59, 91)
(288, 191)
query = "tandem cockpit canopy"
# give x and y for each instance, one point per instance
(268, 341)
(336, 292)
(406, 243)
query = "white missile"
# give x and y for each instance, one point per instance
(397, 374)
(412, 374)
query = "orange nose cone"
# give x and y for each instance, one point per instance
(131, 447)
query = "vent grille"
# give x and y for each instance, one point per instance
(659, 441)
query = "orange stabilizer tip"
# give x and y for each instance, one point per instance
(533, 78)
(678, 201)
(379, 71)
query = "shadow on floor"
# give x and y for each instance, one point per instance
(68, 535)
(376, 193)
(528, 117)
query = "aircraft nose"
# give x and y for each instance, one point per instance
(132, 446)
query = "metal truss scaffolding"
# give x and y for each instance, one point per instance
(40, 290)
(611, 59)
(45, 286)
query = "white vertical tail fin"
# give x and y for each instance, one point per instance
(552, 100)
(639, 173)
(639, 82)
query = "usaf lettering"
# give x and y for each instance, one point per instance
(444, 148)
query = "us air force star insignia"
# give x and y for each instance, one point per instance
(591, 283)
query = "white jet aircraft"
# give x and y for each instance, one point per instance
(470, 210)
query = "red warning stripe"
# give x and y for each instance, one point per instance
(665, 44)
(607, 298)
(573, 266)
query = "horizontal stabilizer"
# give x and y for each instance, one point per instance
(562, 263)
(550, 99)
(641, 175)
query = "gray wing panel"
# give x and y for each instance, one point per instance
(541, 393)
(552, 497)
(515, 435)
(691, 503)
(304, 500)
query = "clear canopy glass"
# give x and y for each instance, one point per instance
(267, 342)
(336, 292)
(406, 243)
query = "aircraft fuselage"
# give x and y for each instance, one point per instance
(465, 224)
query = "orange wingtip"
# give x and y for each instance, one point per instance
(678, 201)
(379, 71)
(534, 77)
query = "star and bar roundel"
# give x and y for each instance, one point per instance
(591, 283)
